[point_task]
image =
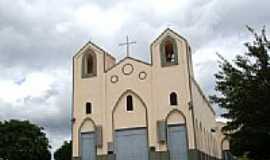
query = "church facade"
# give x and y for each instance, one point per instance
(133, 110)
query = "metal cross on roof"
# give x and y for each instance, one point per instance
(127, 43)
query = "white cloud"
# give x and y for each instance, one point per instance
(221, 119)
(44, 98)
(34, 85)
(164, 8)
(103, 22)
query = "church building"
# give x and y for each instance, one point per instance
(134, 110)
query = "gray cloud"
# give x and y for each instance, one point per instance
(41, 36)
(51, 110)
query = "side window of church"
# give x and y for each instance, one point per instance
(169, 53)
(129, 103)
(173, 99)
(88, 108)
(89, 65)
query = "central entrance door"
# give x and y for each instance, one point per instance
(131, 144)
(88, 146)
(177, 142)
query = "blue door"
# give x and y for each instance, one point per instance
(177, 142)
(88, 146)
(131, 144)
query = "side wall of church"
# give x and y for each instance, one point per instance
(223, 142)
(207, 133)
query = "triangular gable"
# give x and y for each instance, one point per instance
(168, 30)
(128, 58)
(90, 44)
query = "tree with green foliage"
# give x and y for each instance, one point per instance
(243, 87)
(21, 140)
(64, 152)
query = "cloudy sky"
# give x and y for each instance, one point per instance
(39, 37)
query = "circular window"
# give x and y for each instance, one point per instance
(114, 78)
(127, 69)
(142, 75)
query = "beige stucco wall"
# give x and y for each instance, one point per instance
(109, 61)
(129, 119)
(171, 79)
(116, 95)
(87, 90)
(87, 126)
(151, 96)
(175, 118)
(207, 141)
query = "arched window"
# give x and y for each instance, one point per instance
(169, 53)
(129, 103)
(88, 108)
(173, 98)
(89, 64)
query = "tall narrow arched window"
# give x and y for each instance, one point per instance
(169, 52)
(173, 98)
(89, 64)
(168, 49)
(129, 103)
(88, 108)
